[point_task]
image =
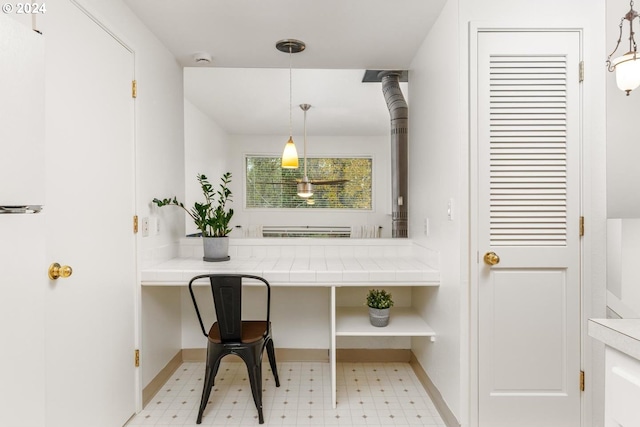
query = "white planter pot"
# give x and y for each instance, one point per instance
(379, 316)
(216, 248)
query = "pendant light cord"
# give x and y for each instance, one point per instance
(305, 144)
(290, 94)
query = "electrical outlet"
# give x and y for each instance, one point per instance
(145, 227)
(450, 210)
(426, 226)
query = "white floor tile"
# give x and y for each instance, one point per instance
(368, 394)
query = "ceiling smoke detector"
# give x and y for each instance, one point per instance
(202, 58)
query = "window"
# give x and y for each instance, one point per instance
(270, 186)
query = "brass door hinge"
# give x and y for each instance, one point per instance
(137, 358)
(581, 226)
(134, 89)
(581, 72)
(135, 224)
(581, 380)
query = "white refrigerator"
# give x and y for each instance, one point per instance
(23, 277)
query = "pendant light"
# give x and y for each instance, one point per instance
(290, 154)
(305, 188)
(627, 66)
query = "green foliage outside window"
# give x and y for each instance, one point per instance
(271, 186)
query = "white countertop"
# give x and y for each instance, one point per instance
(302, 270)
(621, 334)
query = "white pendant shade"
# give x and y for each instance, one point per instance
(290, 155)
(627, 71)
(305, 188)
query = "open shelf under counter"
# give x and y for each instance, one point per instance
(404, 321)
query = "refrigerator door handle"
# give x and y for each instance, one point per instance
(23, 209)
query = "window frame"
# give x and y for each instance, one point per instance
(370, 157)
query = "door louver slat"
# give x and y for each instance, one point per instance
(528, 153)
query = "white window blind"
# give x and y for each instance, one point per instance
(268, 185)
(528, 151)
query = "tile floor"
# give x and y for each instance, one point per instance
(369, 394)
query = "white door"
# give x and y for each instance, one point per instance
(22, 253)
(90, 206)
(528, 189)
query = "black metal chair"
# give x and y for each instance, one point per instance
(232, 335)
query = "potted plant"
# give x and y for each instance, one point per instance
(211, 217)
(379, 303)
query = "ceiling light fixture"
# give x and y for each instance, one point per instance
(202, 58)
(290, 154)
(627, 66)
(305, 187)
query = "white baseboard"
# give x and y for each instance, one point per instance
(443, 409)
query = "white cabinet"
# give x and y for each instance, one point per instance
(622, 369)
(622, 389)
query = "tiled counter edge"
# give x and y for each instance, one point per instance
(300, 261)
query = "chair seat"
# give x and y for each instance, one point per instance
(252, 331)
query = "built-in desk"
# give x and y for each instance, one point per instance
(318, 263)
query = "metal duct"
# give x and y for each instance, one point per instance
(399, 113)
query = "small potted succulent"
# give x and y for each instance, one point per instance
(379, 303)
(211, 217)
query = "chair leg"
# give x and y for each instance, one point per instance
(216, 366)
(213, 362)
(256, 389)
(254, 367)
(272, 361)
(206, 392)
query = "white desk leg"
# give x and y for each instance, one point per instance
(332, 350)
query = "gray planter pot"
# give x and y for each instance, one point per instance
(379, 316)
(216, 249)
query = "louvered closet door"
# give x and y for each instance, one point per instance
(528, 214)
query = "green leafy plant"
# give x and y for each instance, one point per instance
(211, 217)
(379, 299)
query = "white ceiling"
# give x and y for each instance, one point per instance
(256, 100)
(343, 38)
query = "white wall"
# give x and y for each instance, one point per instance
(377, 146)
(437, 173)
(623, 252)
(206, 148)
(623, 149)
(159, 122)
(439, 162)
(161, 329)
(309, 306)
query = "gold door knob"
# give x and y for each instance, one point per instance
(491, 258)
(56, 270)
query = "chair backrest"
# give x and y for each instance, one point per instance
(227, 299)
